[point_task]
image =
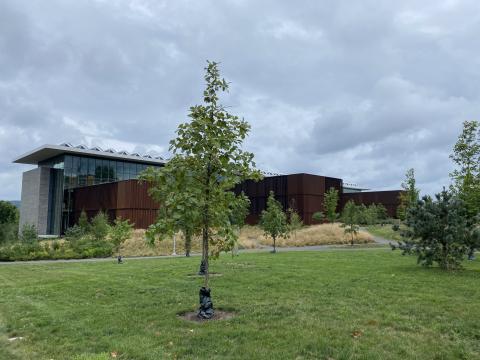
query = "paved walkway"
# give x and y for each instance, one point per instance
(379, 244)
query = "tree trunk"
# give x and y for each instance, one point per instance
(188, 243)
(274, 244)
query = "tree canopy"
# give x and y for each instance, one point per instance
(208, 161)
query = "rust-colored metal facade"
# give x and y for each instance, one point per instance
(304, 192)
(127, 199)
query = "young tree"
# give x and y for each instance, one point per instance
(100, 226)
(330, 204)
(119, 232)
(294, 221)
(273, 220)
(466, 177)
(208, 155)
(83, 223)
(349, 220)
(409, 196)
(438, 231)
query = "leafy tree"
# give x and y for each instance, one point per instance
(83, 223)
(208, 157)
(100, 226)
(330, 204)
(119, 232)
(438, 231)
(173, 187)
(273, 220)
(466, 177)
(318, 216)
(349, 220)
(8, 222)
(8, 213)
(409, 196)
(294, 221)
(382, 213)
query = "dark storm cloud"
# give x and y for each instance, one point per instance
(357, 90)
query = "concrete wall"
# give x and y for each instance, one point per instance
(34, 206)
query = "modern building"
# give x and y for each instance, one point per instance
(71, 179)
(48, 191)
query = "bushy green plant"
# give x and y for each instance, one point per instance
(119, 232)
(318, 217)
(8, 232)
(294, 221)
(273, 220)
(28, 234)
(349, 220)
(74, 233)
(438, 231)
(99, 226)
(330, 204)
(83, 223)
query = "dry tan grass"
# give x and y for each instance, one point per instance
(326, 234)
(251, 237)
(137, 246)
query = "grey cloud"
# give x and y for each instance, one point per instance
(359, 90)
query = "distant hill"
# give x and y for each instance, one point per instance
(15, 202)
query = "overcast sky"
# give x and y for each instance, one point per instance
(360, 90)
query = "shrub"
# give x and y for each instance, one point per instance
(28, 234)
(318, 217)
(8, 232)
(438, 231)
(119, 232)
(99, 227)
(349, 220)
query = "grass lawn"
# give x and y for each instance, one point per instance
(297, 305)
(384, 231)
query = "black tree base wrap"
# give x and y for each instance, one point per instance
(206, 306)
(203, 268)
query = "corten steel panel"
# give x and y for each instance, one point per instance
(313, 185)
(389, 199)
(96, 197)
(134, 195)
(127, 199)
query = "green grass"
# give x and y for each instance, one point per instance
(297, 305)
(384, 231)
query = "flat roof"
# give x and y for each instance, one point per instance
(48, 151)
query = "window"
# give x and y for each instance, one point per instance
(105, 166)
(112, 171)
(120, 174)
(91, 172)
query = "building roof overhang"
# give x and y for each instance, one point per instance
(48, 151)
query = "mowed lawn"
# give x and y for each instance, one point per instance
(343, 304)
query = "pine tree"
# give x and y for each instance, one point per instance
(438, 231)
